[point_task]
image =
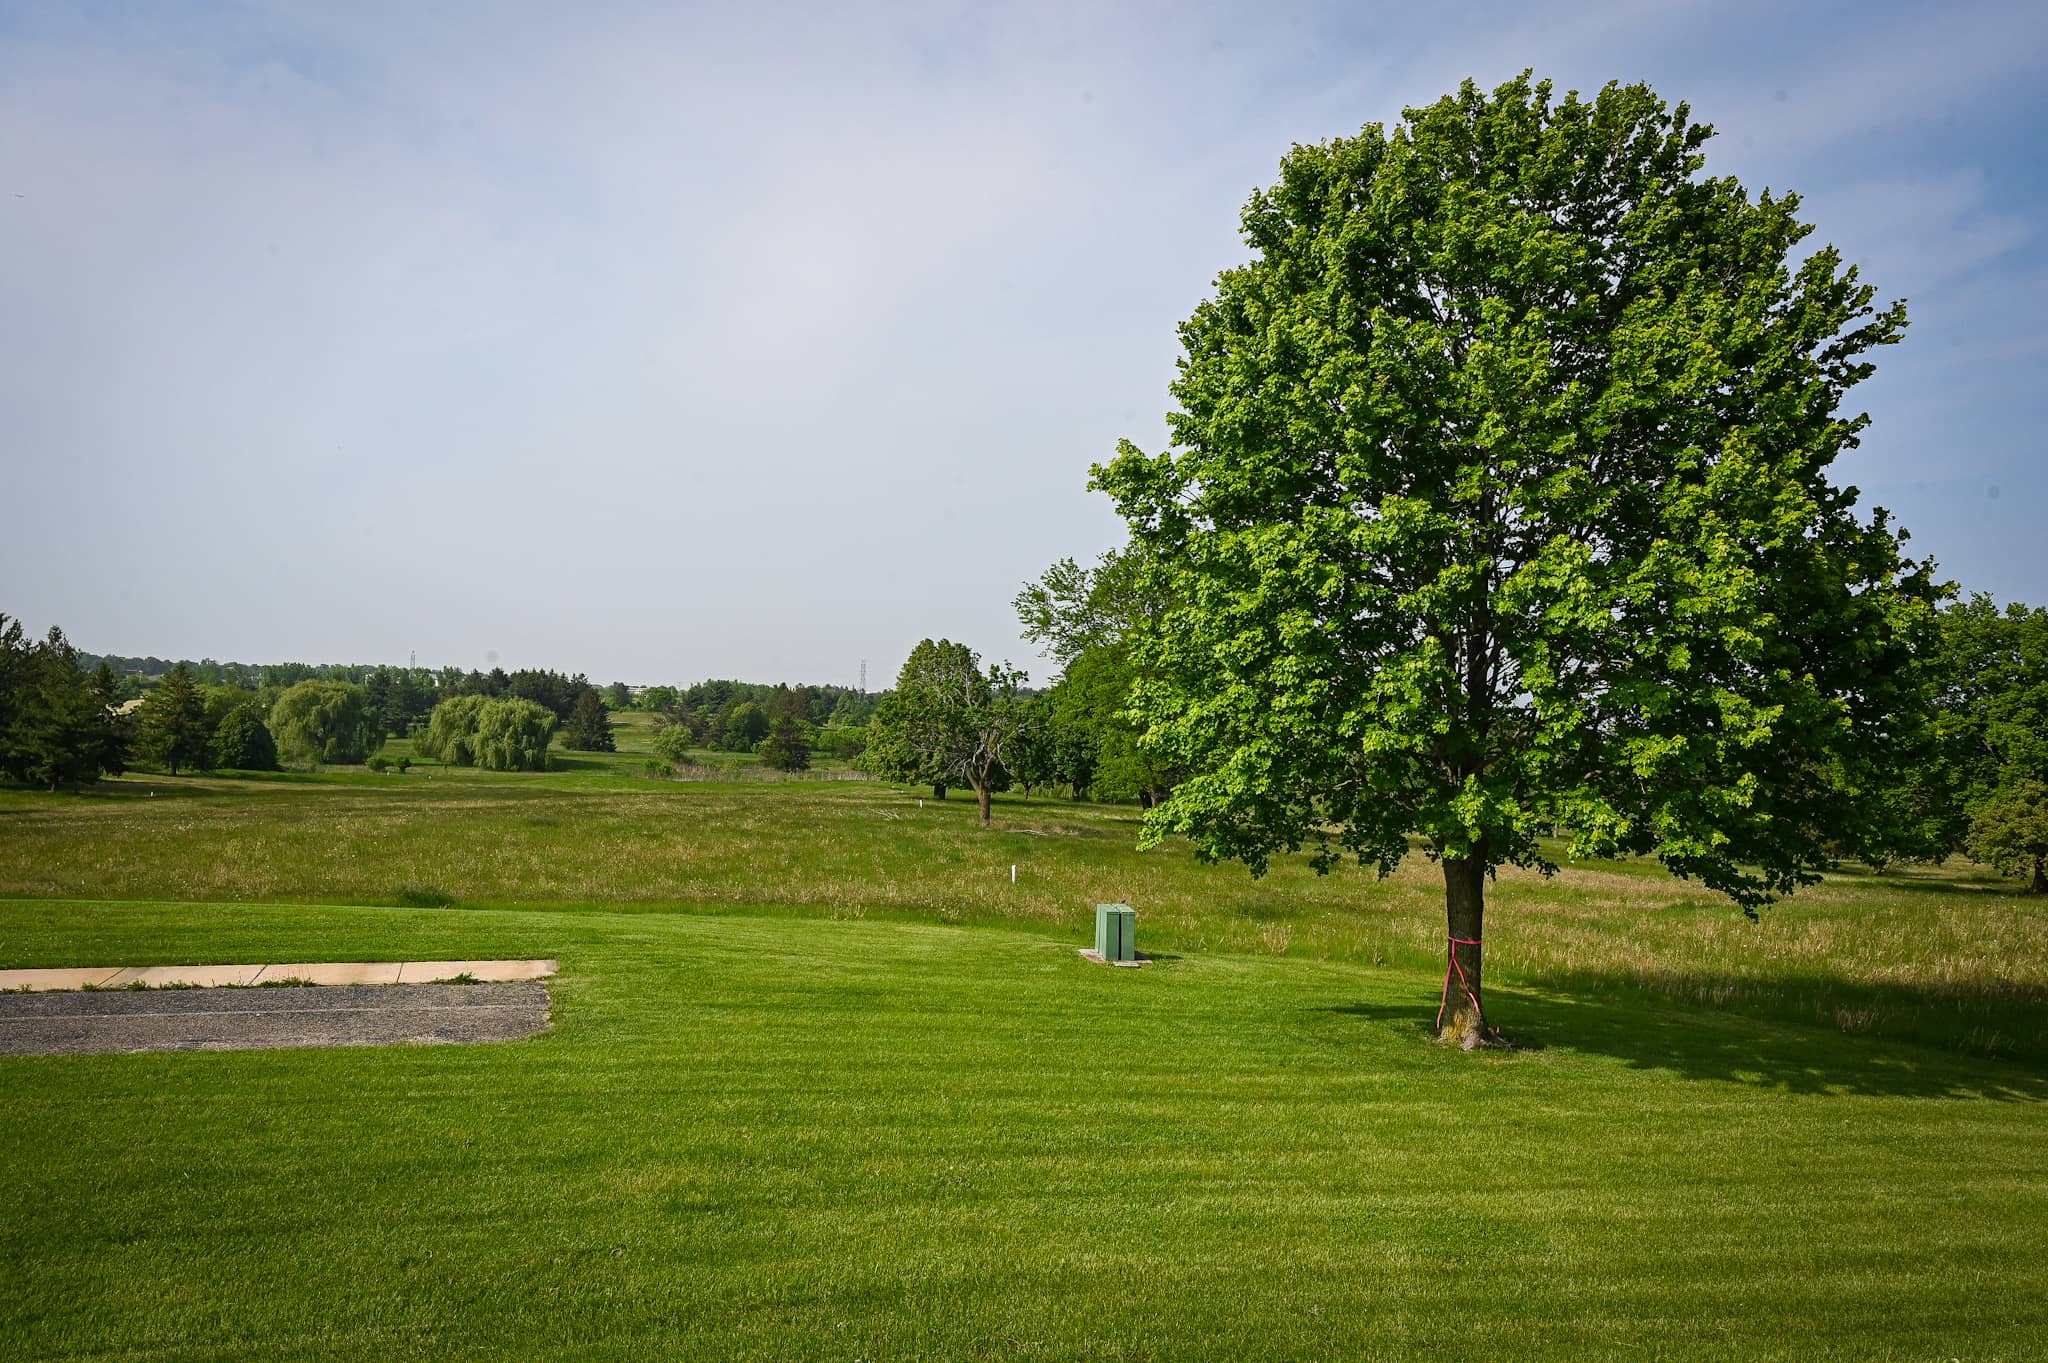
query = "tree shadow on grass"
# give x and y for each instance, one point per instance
(1964, 878)
(134, 788)
(1734, 1048)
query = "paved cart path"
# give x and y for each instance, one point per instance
(263, 1019)
(306, 972)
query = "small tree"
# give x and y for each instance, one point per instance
(618, 696)
(788, 745)
(2010, 832)
(174, 731)
(589, 728)
(242, 743)
(316, 722)
(674, 742)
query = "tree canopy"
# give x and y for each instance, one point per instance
(174, 727)
(1499, 500)
(948, 722)
(590, 727)
(56, 726)
(788, 744)
(317, 722)
(242, 743)
(512, 735)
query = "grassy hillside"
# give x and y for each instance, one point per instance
(1946, 956)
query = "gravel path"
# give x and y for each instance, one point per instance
(261, 1019)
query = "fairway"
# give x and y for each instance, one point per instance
(774, 1137)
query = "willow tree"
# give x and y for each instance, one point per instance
(1498, 501)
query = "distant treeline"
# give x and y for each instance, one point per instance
(72, 708)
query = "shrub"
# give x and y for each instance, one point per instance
(379, 763)
(674, 741)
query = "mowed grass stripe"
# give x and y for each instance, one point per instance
(773, 1137)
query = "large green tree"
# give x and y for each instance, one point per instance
(56, 729)
(1994, 694)
(913, 736)
(450, 735)
(743, 727)
(512, 735)
(949, 723)
(1498, 500)
(316, 722)
(175, 730)
(242, 743)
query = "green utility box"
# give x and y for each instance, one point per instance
(1116, 932)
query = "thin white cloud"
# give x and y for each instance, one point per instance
(659, 344)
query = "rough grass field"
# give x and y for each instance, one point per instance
(823, 1083)
(1948, 956)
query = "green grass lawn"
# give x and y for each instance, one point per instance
(1946, 956)
(824, 1084)
(781, 1137)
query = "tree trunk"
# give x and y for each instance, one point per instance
(981, 793)
(938, 790)
(1077, 792)
(2040, 885)
(1460, 1019)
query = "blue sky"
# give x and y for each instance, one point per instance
(658, 343)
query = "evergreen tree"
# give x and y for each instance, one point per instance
(788, 745)
(174, 729)
(589, 728)
(57, 731)
(112, 730)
